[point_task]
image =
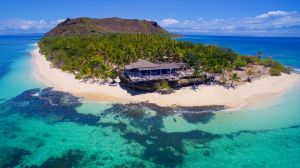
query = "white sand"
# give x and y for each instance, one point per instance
(205, 95)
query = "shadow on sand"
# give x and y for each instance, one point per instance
(132, 91)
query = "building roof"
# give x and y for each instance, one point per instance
(141, 64)
(146, 65)
(172, 65)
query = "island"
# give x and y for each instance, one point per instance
(130, 60)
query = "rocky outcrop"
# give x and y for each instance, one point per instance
(151, 86)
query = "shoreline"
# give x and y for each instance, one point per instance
(207, 95)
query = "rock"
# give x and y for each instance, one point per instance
(151, 86)
(187, 82)
(165, 91)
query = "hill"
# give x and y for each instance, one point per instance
(82, 26)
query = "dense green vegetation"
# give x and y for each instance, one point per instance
(98, 56)
(101, 56)
(276, 67)
(94, 26)
(163, 85)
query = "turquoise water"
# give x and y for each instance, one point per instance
(44, 128)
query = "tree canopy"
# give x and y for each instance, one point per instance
(99, 56)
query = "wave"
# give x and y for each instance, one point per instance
(33, 44)
(297, 69)
(242, 106)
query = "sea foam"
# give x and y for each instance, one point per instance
(297, 70)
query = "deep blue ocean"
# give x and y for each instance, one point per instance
(284, 49)
(40, 127)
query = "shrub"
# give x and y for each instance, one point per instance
(78, 76)
(163, 85)
(114, 74)
(287, 70)
(253, 60)
(276, 67)
(268, 62)
(240, 62)
(275, 72)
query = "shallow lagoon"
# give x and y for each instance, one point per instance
(45, 128)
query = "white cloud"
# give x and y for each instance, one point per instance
(10, 26)
(273, 13)
(168, 21)
(55, 22)
(273, 23)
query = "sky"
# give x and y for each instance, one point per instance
(209, 17)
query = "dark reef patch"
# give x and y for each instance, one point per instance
(163, 148)
(293, 127)
(132, 164)
(136, 114)
(167, 149)
(125, 111)
(7, 129)
(206, 153)
(11, 157)
(173, 109)
(50, 105)
(56, 106)
(70, 159)
(253, 132)
(121, 126)
(198, 117)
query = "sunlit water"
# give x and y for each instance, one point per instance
(45, 128)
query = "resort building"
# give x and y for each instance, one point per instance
(144, 70)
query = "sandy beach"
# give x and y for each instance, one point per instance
(204, 95)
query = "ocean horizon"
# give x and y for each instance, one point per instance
(34, 132)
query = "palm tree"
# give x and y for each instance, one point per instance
(234, 78)
(259, 54)
(198, 73)
(250, 73)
